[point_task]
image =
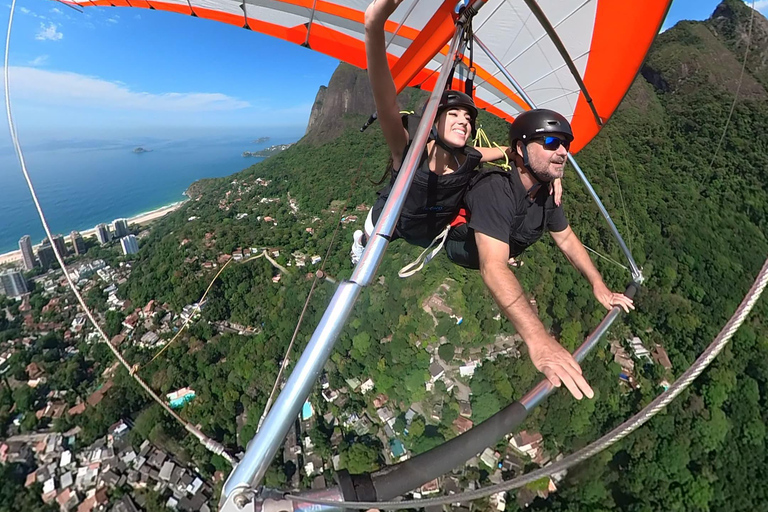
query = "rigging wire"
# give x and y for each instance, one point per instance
(611, 438)
(401, 24)
(621, 196)
(210, 444)
(738, 87)
(196, 310)
(318, 275)
(199, 304)
(605, 257)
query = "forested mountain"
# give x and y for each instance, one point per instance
(695, 214)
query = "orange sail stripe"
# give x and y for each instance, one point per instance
(139, 3)
(337, 45)
(430, 41)
(617, 51)
(165, 6)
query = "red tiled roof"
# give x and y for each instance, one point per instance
(78, 409)
(462, 424)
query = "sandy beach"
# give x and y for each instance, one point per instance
(142, 218)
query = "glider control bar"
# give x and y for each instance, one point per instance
(637, 273)
(239, 489)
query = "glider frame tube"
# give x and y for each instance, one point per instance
(637, 273)
(265, 444)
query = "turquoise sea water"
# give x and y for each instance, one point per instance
(81, 184)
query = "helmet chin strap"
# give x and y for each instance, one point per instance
(453, 151)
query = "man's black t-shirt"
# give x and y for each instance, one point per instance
(499, 206)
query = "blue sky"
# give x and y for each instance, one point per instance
(120, 72)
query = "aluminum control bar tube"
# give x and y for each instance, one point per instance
(396, 480)
(637, 273)
(238, 489)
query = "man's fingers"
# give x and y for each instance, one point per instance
(571, 385)
(581, 383)
(574, 365)
(618, 299)
(584, 386)
(623, 301)
(550, 374)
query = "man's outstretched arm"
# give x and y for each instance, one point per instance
(547, 355)
(573, 249)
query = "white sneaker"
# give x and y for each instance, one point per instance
(357, 247)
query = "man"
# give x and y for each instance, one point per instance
(509, 211)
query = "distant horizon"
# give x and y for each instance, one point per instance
(57, 139)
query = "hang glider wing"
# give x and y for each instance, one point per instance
(548, 46)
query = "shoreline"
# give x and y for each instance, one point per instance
(142, 218)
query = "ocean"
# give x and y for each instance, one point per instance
(83, 183)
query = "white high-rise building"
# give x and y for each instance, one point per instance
(103, 234)
(27, 256)
(120, 228)
(13, 283)
(130, 244)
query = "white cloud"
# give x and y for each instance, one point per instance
(24, 10)
(39, 61)
(63, 88)
(112, 20)
(56, 10)
(760, 5)
(49, 33)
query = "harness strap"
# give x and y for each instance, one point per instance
(415, 266)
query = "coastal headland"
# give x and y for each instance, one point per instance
(142, 218)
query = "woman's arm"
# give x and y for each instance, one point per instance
(382, 84)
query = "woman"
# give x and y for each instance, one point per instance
(447, 163)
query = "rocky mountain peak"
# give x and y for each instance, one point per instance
(347, 100)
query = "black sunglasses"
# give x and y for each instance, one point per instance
(551, 143)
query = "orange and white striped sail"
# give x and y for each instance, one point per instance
(606, 40)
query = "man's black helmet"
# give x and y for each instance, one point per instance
(536, 123)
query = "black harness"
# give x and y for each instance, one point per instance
(433, 200)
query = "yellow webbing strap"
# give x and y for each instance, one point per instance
(481, 140)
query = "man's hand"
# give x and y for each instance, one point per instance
(610, 299)
(559, 366)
